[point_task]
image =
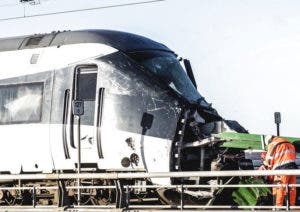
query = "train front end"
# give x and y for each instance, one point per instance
(149, 107)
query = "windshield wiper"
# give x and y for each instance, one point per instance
(189, 71)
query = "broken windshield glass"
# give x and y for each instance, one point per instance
(130, 96)
(166, 67)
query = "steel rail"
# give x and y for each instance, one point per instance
(116, 176)
(156, 186)
(181, 188)
(152, 207)
(209, 207)
(217, 186)
(47, 207)
(55, 187)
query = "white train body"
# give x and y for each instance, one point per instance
(37, 147)
(142, 113)
(41, 75)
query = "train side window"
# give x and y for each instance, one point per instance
(21, 103)
(86, 82)
(86, 86)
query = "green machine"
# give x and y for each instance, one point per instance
(251, 142)
(247, 141)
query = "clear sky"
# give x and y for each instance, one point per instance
(244, 52)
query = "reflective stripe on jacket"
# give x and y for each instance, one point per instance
(280, 152)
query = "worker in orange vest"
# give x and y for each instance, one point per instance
(281, 154)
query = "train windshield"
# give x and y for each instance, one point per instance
(167, 67)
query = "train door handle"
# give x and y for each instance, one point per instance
(99, 121)
(64, 124)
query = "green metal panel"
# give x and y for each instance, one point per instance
(246, 141)
(249, 196)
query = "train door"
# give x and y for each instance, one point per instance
(85, 83)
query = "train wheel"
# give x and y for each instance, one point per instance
(9, 198)
(105, 196)
(15, 197)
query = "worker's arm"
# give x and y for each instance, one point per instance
(269, 159)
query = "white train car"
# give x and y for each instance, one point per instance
(137, 100)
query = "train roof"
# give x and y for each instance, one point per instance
(122, 41)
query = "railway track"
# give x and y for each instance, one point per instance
(135, 209)
(128, 202)
(57, 209)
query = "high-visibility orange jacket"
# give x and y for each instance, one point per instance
(280, 153)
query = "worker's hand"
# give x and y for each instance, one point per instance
(266, 163)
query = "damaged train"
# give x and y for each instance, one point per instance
(142, 112)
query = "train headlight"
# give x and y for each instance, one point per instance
(125, 162)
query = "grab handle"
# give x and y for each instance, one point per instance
(99, 121)
(64, 124)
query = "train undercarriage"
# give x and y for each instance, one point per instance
(109, 192)
(59, 193)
